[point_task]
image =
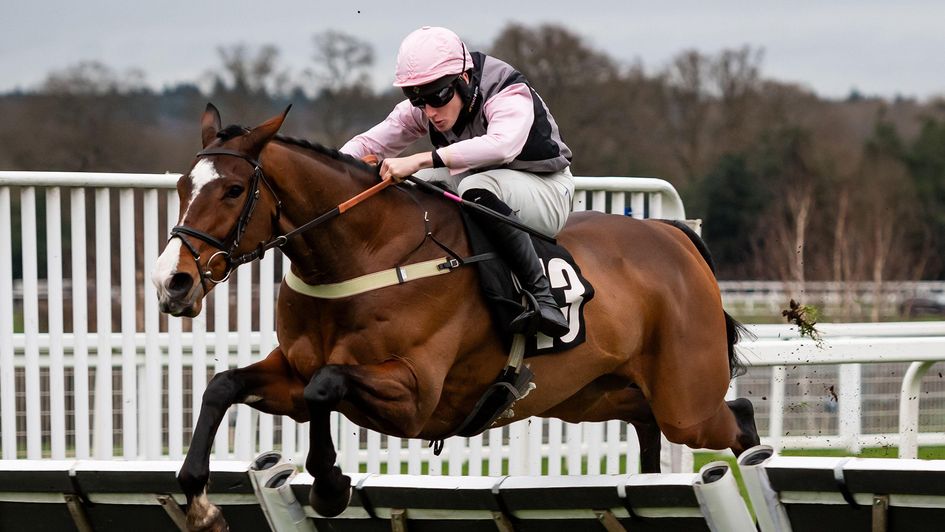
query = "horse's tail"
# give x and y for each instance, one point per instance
(734, 330)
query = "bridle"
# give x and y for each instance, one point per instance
(226, 252)
(236, 234)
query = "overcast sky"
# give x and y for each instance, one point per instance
(878, 47)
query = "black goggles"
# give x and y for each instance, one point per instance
(437, 97)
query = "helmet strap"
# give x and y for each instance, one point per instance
(466, 92)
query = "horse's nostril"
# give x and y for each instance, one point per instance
(180, 284)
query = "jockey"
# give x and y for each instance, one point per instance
(495, 141)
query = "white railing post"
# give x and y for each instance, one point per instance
(637, 209)
(598, 200)
(573, 436)
(776, 406)
(413, 457)
(534, 455)
(455, 454)
(475, 456)
(266, 335)
(518, 448)
(34, 444)
(374, 452)
(103, 437)
(153, 364)
(656, 205)
(393, 455)
(54, 301)
(495, 451)
(849, 408)
(198, 377)
(7, 369)
(129, 325)
(909, 409)
(618, 203)
(632, 450)
(594, 434)
(80, 325)
(614, 444)
(289, 428)
(245, 432)
(221, 352)
(554, 450)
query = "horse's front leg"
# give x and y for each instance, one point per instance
(385, 393)
(268, 386)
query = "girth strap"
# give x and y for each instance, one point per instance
(381, 279)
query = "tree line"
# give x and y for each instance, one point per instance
(790, 185)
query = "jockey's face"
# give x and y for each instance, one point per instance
(445, 117)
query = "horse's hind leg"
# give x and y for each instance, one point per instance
(731, 426)
(648, 431)
(266, 385)
(635, 410)
(744, 413)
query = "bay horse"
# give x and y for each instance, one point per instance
(411, 360)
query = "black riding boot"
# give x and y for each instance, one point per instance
(515, 246)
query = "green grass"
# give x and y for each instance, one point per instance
(925, 453)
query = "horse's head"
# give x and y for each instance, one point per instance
(228, 209)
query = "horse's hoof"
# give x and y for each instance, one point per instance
(205, 517)
(331, 494)
(745, 417)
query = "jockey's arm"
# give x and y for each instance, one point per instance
(402, 127)
(509, 115)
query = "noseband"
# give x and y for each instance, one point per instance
(236, 234)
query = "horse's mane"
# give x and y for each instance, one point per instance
(236, 130)
(329, 152)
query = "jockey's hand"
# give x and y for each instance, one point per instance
(370, 159)
(397, 168)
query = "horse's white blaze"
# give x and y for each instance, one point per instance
(203, 173)
(166, 266)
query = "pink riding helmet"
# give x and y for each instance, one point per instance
(428, 54)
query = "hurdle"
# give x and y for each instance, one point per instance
(843, 493)
(708, 500)
(270, 493)
(113, 495)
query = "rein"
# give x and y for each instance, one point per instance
(183, 231)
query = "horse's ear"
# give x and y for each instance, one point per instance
(209, 124)
(264, 132)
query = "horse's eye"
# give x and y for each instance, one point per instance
(234, 192)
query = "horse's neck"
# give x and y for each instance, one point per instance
(376, 234)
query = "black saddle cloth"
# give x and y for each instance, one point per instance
(503, 292)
